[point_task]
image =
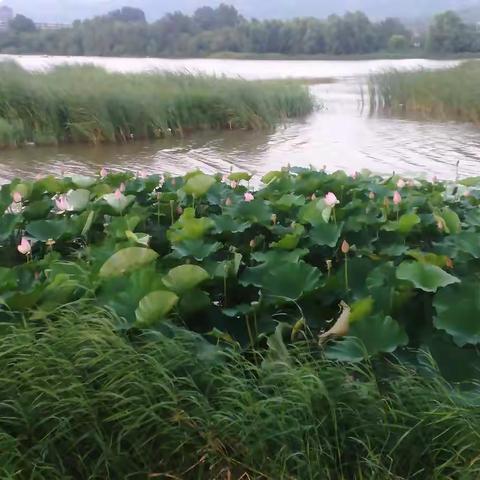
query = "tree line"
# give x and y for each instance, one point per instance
(126, 32)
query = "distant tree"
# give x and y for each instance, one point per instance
(208, 18)
(22, 24)
(389, 27)
(398, 43)
(127, 14)
(448, 33)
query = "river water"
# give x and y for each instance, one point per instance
(342, 135)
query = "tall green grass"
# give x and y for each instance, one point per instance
(88, 104)
(452, 94)
(79, 401)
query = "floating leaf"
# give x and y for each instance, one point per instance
(196, 248)
(185, 277)
(82, 181)
(78, 200)
(188, 227)
(239, 176)
(44, 230)
(118, 201)
(127, 260)
(428, 278)
(154, 307)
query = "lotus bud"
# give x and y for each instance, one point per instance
(345, 247)
(118, 194)
(228, 202)
(122, 187)
(24, 247)
(252, 244)
(401, 184)
(397, 198)
(371, 196)
(329, 265)
(313, 197)
(233, 184)
(449, 263)
(179, 210)
(103, 172)
(331, 199)
(274, 218)
(248, 197)
(17, 197)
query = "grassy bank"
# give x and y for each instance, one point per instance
(78, 400)
(87, 104)
(452, 94)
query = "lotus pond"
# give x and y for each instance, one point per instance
(359, 267)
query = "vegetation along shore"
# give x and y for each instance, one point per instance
(452, 94)
(88, 104)
(318, 326)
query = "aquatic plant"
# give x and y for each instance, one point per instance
(450, 94)
(88, 104)
(237, 266)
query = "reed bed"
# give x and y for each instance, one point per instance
(88, 104)
(78, 400)
(451, 94)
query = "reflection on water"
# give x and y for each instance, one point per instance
(340, 136)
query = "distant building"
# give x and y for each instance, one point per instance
(6, 14)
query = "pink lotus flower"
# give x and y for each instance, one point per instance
(397, 198)
(24, 247)
(233, 184)
(61, 203)
(118, 194)
(248, 197)
(17, 197)
(142, 174)
(331, 199)
(354, 175)
(345, 247)
(225, 178)
(401, 183)
(103, 172)
(122, 187)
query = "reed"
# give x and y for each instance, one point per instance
(451, 94)
(88, 104)
(78, 400)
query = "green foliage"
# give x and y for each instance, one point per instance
(450, 94)
(177, 253)
(79, 401)
(88, 104)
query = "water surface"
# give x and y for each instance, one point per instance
(343, 135)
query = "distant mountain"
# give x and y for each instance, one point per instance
(69, 10)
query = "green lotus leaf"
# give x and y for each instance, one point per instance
(271, 176)
(198, 185)
(78, 199)
(315, 213)
(185, 277)
(194, 301)
(154, 307)
(468, 242)
(326, 234)
(472, 217)
(405, 224)
(284, 280)
(256, 211)
(118, 201)
(431, 258)
(424, 276)
(127, 260)
(8, 279)
(288, 201)
(361, 309)
(288, 242)
(238, 176)
(189, 228)
(142, 239)
(276, 256)
(196, 248)
(49, 184)
(451, 219)
(38, 210)
(226, 223)
(81, 181)
(458, 312)
(44, 230)
(8, 224)
(367, 337)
